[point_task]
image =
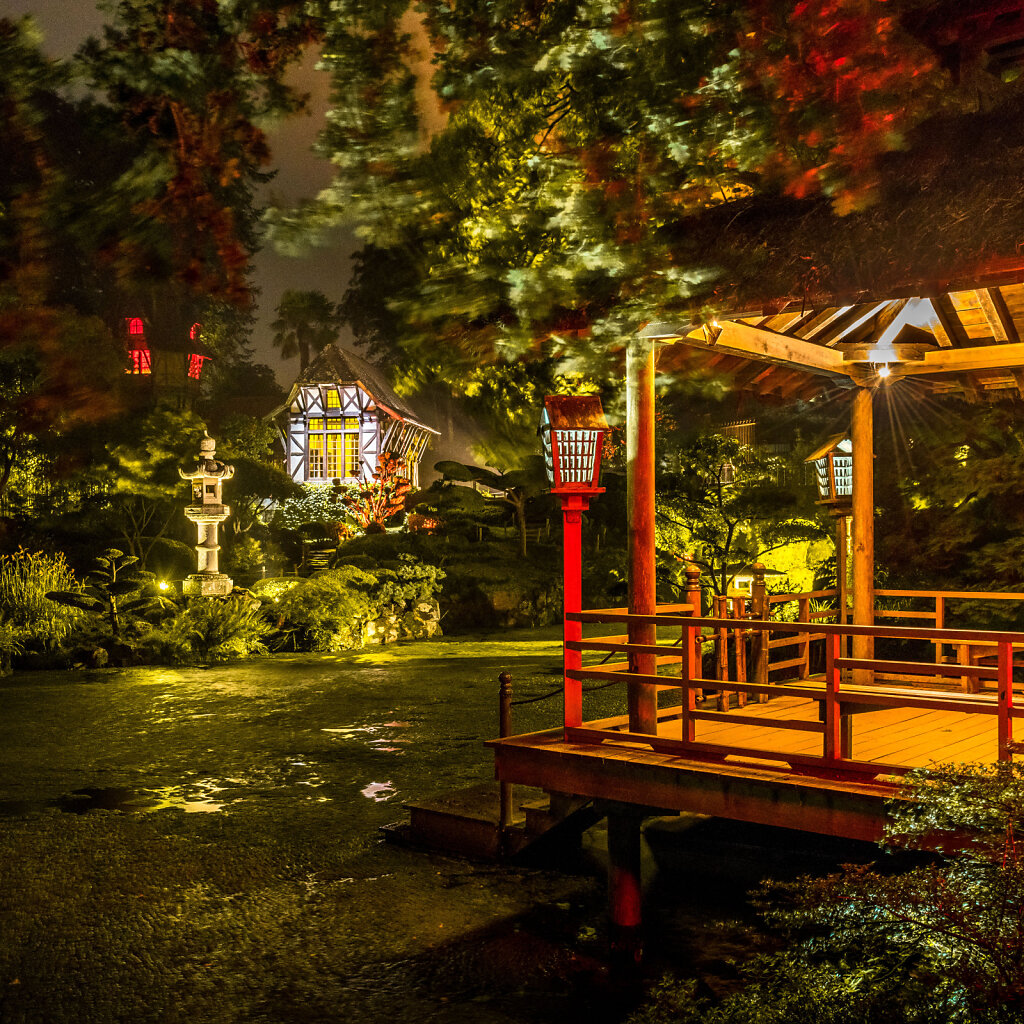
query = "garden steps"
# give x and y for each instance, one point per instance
(466, 821)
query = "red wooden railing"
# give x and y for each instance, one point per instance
(680, 655)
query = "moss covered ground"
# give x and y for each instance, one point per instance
(203, 845)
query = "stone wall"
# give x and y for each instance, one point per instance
(417, 621)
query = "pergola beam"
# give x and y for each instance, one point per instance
(963, 360)
(755, 343)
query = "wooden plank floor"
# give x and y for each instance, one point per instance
(911, 737)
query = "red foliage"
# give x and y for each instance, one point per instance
(373, 502)
(843, 81)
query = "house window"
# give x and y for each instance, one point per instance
(195, 365)
(334, 456)
(333, 446)
(135, 326)
(333, 399)
(316, 456)
(141, 360)
(351, 454)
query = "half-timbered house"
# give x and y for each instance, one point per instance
(340, 416)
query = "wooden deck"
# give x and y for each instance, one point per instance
(817, 753)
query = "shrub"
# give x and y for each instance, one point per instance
(215, 629)
(273, 588)
(25, 579)
(327, 611)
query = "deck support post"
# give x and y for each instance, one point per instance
(625, 886)
(642, 698)
(862, 437)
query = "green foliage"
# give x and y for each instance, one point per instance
(307, 321)
(114, 589)
(327, 611)
(214, 630)
(936, 938)
(318, 503)
(10, 644)
(530, 199)
(26, 578)
(245, 556)
(727, 526)
(517, 487)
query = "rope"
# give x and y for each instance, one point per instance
(555, 693)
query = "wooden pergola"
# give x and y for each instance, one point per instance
(964, 340)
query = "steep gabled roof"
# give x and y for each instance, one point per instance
(336, 366)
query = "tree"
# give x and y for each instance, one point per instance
(727, 510)
(194, 83)
(147, 501)
(542, 210)
(113, 589)
(517, 487)
(306, 322)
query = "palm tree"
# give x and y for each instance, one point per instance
(306, 321)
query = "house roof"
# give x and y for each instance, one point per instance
(337, 366)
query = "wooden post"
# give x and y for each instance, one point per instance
(642, 698)
(722, 671)
(504, 729)
(862, 436)
(762, 610)
(1005, 714)
(739, 610)
(572, 601)
(804, 615)
(692, 635)
(842, 569)
(833, 726)
(625, 890)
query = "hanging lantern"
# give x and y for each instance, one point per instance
(833, 470)
(572, 428)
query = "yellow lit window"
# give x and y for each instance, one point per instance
(316, 423)
(316, 456)
(335, 423)
(333, 456)
(351, 455)
(351, 422)
(333, 400)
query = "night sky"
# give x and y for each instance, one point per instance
(66, 24)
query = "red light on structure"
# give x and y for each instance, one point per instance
(135, 325)
(142, 360)
(194, 331)
(572, 428)
(195, 365)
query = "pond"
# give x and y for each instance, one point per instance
(204, 845)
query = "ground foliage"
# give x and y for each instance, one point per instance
(940, 940)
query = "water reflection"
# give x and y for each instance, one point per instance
(378, 791)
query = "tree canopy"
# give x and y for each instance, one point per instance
(534, 180)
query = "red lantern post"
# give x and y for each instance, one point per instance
(572, 430)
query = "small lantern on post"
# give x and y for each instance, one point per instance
(833, 473)
(572, 431)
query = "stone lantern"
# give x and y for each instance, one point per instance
(207, 511)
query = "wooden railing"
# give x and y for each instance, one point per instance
(680, 660)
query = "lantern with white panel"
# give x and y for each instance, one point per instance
(572, 430)
(833, 474)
